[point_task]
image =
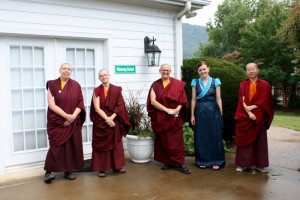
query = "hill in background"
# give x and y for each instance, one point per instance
(192, 35)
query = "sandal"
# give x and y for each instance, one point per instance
(102, 174)
(183, 169)
(202, 167)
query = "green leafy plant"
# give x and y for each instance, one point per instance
(139, 120)
(188, 135)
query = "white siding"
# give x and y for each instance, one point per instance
(126, 24)
(120, 27)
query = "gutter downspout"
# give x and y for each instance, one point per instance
(178, 39)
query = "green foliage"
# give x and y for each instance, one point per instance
(139, 120)
(188, 135)
(224, 32)
(230, 75)
(142, 133)
(260, 44)
(228, 149)
(290, 32)
(294, 100)
(266, 32)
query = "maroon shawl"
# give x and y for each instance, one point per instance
(247, 129)
(68, 99)
(105, 137)
(170, 96)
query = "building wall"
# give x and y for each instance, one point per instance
(119, 29)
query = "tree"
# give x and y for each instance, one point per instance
(290, 32)
(224, 32)
(259, 44)
(250, 27)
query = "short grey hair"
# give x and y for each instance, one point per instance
(101, 70)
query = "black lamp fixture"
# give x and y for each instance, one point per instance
(152, 51)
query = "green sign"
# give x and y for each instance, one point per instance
(124, 69)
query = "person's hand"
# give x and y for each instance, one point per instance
(110, 122)
(247, 108)
(170, 111)
(67, 123)
(193, 120)
(176, 112)
(71, 118)
(252, 116)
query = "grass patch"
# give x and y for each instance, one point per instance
(287, 120)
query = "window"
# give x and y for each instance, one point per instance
(28, 97)
(82, 61)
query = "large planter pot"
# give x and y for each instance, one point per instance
(140, 149)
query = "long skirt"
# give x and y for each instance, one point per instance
(169, 145)
(255, 154)
(209, 148)
(66, 157)
(107, 160)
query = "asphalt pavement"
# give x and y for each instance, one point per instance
(149, 182)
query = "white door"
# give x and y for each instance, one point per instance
(27, 64)
(86, 58)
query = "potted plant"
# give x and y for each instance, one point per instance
(140, 139)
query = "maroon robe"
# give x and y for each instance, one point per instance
(65, 152)
(108, 151)
(251, 135)
(168, 143)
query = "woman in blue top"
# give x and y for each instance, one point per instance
(206, 116)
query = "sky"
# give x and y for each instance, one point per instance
(204, 14)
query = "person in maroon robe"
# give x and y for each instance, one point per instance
(110, 123)
(167, 107)
(65, 116)
(253, 118)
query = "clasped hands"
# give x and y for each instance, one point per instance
(173, 112)
(69, 119)
(110, 121)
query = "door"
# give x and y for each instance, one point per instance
(85, 57)
(29, 64)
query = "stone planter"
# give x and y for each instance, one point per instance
(140, 149)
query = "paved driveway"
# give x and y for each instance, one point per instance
(149, 182)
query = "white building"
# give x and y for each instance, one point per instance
(37, 36)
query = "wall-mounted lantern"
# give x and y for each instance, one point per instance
(152, 51)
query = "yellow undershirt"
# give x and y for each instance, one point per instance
(105, 92)
(166, 83)
(252, 90)
(62, 84)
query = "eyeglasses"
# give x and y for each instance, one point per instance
(165, 70)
